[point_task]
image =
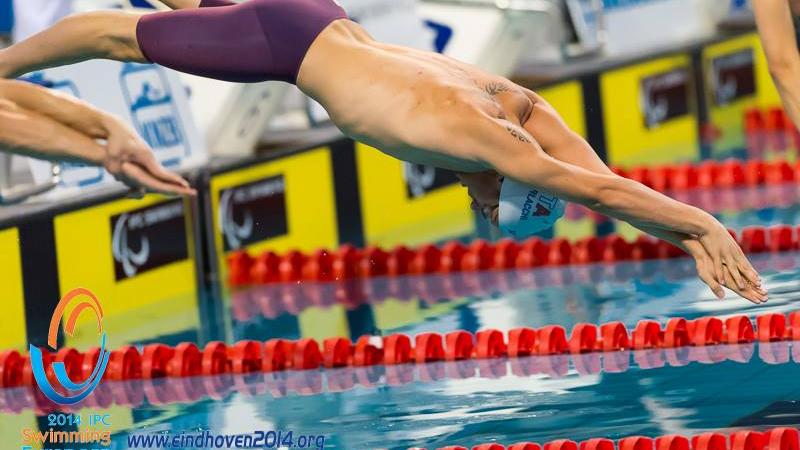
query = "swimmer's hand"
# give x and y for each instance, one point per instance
(141, 181)
(722, 263)
(130, 160)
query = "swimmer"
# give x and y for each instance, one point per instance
(417, 106)
(774, 19)
(38, 122)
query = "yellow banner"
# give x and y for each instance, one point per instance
(12, 321)
(288, 203)
(567, 99)
(649, 112)
(736, 78)
(137, 256)
(405, 204)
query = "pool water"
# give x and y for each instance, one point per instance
(538, 398)
(466, 403)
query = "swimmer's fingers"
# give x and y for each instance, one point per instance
(138, 175)
(732, 273)
(149, 162)
(705, 270)
(115, 156)
(113, 166)
(727, 256)
(749, 292)
(743, 276)
(719, 269)
(746, 268)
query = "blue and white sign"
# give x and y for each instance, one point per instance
(152, 107)
(150, 98)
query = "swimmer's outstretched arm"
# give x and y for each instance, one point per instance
(80, 37)
(58, 106)
(47, 124)
(513, 152)
(28, 133)
(777, 31)
(563, 144)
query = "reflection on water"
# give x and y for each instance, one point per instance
(626, 292)
(469, 402)
(464, 403)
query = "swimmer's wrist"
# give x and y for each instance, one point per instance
(693, 247)
(108, 124)
(704, 223)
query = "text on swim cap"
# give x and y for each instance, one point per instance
(543, 207)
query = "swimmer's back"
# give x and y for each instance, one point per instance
(423, 98)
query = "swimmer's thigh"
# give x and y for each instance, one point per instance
(226, 43)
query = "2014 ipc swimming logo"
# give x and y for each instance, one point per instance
(68, 391)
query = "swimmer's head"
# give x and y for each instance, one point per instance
(484, 189)
(525, 210)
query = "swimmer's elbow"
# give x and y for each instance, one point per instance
(611, 193)
(784, 69)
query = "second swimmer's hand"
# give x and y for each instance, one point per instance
(728, 263)
(130, 160)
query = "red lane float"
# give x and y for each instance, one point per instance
(672, 442)
(783, 438)
(348, 262)
(186, 389)
(185, 360)
(597, 444)
(490, 344)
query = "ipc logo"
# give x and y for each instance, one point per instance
(70, 392)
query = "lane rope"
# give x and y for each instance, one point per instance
(348, 262)
(781, 438)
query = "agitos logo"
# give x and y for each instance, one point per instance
(70, 392)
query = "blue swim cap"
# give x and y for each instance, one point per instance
(525, 210)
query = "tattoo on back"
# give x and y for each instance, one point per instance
(517, 134)
(495, 88)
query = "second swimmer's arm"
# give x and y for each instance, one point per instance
(776, 28)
